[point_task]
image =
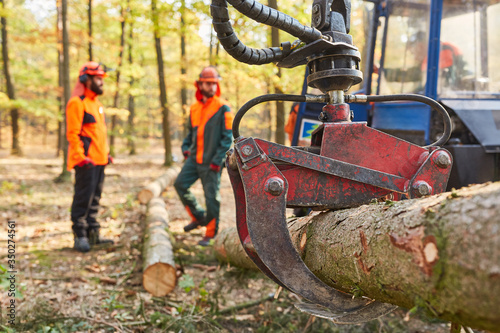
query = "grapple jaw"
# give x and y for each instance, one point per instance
(268, 177)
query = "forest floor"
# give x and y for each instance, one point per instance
(61, 290)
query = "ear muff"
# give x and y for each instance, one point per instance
(83, 78)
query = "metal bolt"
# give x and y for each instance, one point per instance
(421, 189)
(316, 21)
(442, 160)
(247, 150)
(316, 9)
(274, 186)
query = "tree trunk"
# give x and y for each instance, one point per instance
(1, 142)
(45, 131)
(280, 106)
(163, 87)
(159, 273)
(131, 101)
(440, 254)
(154, 189)
(114, 118)
(90, 29)
(211, 48)
(59, 78)
(267, 114)
(184, 105)
(65, 174)
(14, 112)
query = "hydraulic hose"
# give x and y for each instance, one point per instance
(262, 14)
(410, 97)
(261, 99)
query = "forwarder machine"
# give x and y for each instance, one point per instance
(447, 50)
(347, 163)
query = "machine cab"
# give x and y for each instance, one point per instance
(448, 50)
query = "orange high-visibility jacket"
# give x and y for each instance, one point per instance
(86, 130)
(209, 130)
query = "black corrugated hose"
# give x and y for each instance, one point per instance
(261, 99)
(422, 99)
(262, 14)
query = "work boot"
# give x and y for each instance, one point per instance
(194, 224)
(82, 244)
(205, 241)
(94, 238)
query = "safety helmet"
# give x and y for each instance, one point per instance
(92, 68)
(209, 74)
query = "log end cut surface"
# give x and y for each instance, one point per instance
(159, 279)
(145, 195)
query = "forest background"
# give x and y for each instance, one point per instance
(129, 36)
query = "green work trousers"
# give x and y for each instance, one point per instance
(210, 180)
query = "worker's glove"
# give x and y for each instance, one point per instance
(186, 154)
(214, 167)
(110, 159)
(87, 163)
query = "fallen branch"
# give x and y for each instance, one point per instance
(441, 254)
(155, 188)
(246, 305)
(127, 276)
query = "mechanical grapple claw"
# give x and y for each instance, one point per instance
(355, 164)
(347, 165)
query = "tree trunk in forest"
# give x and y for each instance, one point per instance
(90, 29)
(162, 86)
(65, 174)
(114, 117)
(155, 188)
(1, 142)
(213, 59)
(60, 133)
(440, 254)
(280, 106)
(184, 99)
(131, 101)
(45, 131)
(159, 273)
(211, 48)
(14, 112)
(268, 114)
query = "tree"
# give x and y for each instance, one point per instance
(65, 174)
(184, 105)
(438, 254)
(89, 12)
(60, 60)
(131, 101)
(114, 117)
(163, 88)
(280, 107)
(14, 112)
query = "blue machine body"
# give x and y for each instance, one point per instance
(474, 109)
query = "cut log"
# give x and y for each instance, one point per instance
(159, 273)
(155, 188)
(227, 248)
(440, 254)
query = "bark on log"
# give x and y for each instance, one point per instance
(159, 274)
(441, 254)
(155, 188)
(227, 248)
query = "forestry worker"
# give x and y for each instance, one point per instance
(204, 148)
(88, 153)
